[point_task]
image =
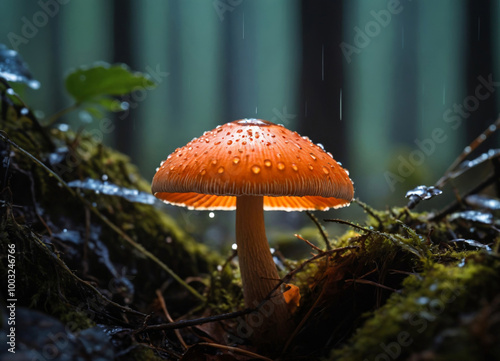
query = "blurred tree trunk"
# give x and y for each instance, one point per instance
(321, 79)
(122, 53)
(480, 70)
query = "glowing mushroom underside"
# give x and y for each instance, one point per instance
(253, 157)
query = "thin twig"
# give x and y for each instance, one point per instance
(456, 205)
(368, 282)
(169, 318)
(54, 117)
(370, 211)
(467, 150)
(321, 229)
(233, 349)
(308, 243)
(395, 238)
(303, 321)
(341, 221)
(195, 321)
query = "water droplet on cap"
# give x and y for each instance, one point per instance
(281, 165)
(236, 160)
(255, 169)
(294, 167)
(220, 170)
(267, 163)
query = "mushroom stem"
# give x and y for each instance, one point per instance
(258, 271)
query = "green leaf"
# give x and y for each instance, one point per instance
(94, 112)
(89, 83)
(113, 105)
(95, 106)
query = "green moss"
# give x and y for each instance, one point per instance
(425, 316)
(57, 231)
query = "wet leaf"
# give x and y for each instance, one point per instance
(14, 69)
(421, 193)
(93, 84)
(469, 164)
(132, 195)
(480, 217)
(470, 243)
(292, 297)
(113, 105)
(482, 201)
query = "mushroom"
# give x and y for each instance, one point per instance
(253, 165)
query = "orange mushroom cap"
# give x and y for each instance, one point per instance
(252, 157)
